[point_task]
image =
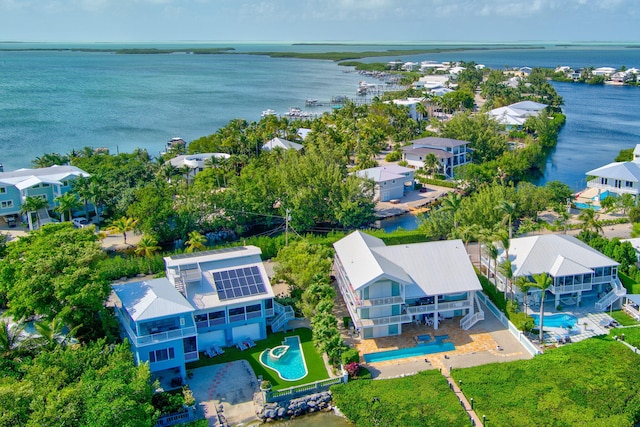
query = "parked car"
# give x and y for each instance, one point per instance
(11, 221)
(80, 222)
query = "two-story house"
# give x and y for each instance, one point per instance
(385, 287)
(451, 153)
(618, 177)
(391, 181)
(217, 297)
(46, 183)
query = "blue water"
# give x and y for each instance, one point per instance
(556, 320)
(437, 346)
(58, 101)
(291, 366)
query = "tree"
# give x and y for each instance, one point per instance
(67, 202)
(507, 272)
(33, 204)
(431, 164)
(492, 252)
(301, 263)
(82, 187)
(523, 284)
(543, 282)
(9, 337)
(195, 242)
(147, 247)
(589, 220)
(52, 332)
(122, 225)
(509, 211)
(452, 203)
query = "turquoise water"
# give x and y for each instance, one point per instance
(437, 346)
(586, 206)
(556, 320)
(291, 366)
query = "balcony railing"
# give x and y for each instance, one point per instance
(192, 355)
(442, 306)
(373, 302)
(594, 183)
(571, 288)
(380, 321)
(156, 337)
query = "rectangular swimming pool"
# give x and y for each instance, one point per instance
(437, 346)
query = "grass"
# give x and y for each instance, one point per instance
(592, 382)
(631, 335)
(623, 318)
(315, 364)
(423, 399)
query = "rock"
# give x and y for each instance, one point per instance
(281, 412)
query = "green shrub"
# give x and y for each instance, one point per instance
(350, 356)
(440, 182)
(168, 402)
(393, 156)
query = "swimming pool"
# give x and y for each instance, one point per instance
(557, 320)
(289, 364)
(436, 346)
(586, 206)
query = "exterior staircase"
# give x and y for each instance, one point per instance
(617, 292)
(283, 313)
(472, 318)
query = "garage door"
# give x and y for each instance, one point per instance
(211, 338)
(252, 331)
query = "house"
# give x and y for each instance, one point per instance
(391, 181)
(385, 287)
(621, 77)
(515, 115)
(282, 144)
(604, 71)
(195, 162)
(618, 177)
(303, 133)
(578, 271)
(450, 152)
(46, 183)
(210, 298)
(412, 105)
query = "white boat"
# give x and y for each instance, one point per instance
(268, 112)
(312, 103)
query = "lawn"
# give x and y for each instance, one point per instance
(592, 382)
(623, 318)
(631, 335)
(423, 399)
(315, 364)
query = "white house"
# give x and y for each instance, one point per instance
(212, 298)
(514, 115)
(391, 181)
(618, 177)
(385, 287)
(578, 271)
(195, 162)
(604, 71)
(450, 152)
(282, 144)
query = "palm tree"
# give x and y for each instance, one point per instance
(147, 247)
(66, 203)
(589, 220)
(524, 284)
(452, 203)
(507, 272)
(492, 251)
(195, 242)
(431, 164)
(52, 332)
(122, 225)
(9, 338)
(30, 205)
(509, 211)
(542, 281)
(81, 186)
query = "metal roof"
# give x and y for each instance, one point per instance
(432, 141)
(625, 171)
(151, 299)
(435, 267)
(281, 143)
(548, 253)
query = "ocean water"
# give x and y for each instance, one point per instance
(55, 101)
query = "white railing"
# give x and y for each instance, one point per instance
(386, 320)
(381, 301)
(191, 355)
(595, 184)
(571, 288)
(165, 336)
(615, 293)
(472, 318)
(442, 306)
(302, 390)
(284, 313)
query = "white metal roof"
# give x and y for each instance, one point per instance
(626, 171)
(50, 175)
(564, 254)
(281, 143)
(528, 106)
(151, 299)
(435, 267)
(386, 173)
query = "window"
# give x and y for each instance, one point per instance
(3, 190)
(162, 355)
(6, 204)
(628, 184)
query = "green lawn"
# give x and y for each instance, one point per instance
(423, 399)
(315, 364)
(590, 383)
(623, 318)
(631, 335)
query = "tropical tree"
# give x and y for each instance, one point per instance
(82, 187)
(52, 332)
(543, 282)
(431, 164)
(122, 225)
(507, 272)
(509, 211)
(67, 202)
(147, 247)
(523, 284)
(452, 203)
(589, 220)
(492, 251)
(195, 242)
(9, 337)
(30, 205)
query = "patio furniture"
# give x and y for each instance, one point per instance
(242, 346)
(217, 349)
(249, 342)
(210, 351)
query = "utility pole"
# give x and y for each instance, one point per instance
(287, 218)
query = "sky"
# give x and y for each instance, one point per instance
(319, 20)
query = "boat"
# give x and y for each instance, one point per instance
(312, 103)
(340, 99)
(268, 112)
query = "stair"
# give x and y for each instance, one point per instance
(472, 318)
(283, 313)
(617, 292)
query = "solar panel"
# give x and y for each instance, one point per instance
(239, 282)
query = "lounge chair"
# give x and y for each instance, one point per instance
(210, 351)
(242, 346)
(249, 342)
(217, 349)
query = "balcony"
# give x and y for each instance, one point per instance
(381, 321)
(595, 183)
(565, 289)
(192, 355)
(374, 302)
(443, 306)
(152, 338)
